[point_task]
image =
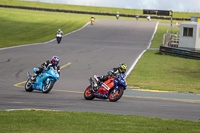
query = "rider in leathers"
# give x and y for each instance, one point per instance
(46, 65)
(59, 32)
(121, 69)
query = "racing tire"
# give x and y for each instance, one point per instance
(115, 97)
(89, 95)
(28, 86)
(47, 87)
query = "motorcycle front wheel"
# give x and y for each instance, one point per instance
(115, 96)
(89, 93)
(47, 87)
(28, 86)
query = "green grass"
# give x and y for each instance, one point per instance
(79, 122)
(23, 27)
(164, 72)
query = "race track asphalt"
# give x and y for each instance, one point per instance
(95, 49)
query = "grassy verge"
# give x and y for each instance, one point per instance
(164, 72)
(23, 27)
(73, 122)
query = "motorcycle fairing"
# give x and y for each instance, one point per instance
(45, 75)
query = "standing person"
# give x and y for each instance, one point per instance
(117, 15)
(46, 65)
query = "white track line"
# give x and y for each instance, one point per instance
(135, 62)
(44, 42)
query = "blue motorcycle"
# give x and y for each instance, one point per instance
(44, 81)
(58, 37)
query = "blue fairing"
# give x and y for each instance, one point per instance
(46, 76)
(58, 38)
(120, 82)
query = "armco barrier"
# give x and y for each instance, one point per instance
(180, 52)
(85, 12)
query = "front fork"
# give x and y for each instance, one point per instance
(92, 82)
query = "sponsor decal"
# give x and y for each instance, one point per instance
(105, 86)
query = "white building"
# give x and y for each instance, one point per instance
(189, 35)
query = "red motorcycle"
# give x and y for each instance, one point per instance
(112, 89)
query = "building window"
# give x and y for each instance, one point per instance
(187, 31)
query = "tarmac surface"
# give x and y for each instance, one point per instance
(94, 49)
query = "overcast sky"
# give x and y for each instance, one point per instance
(175, 5)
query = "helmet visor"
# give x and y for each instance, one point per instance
(55, 62)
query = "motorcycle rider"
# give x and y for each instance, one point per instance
(137, 16)
(92, 18)
(117, 15)
(121, 69)
(59, 32)
(46, 65)
(149, 18)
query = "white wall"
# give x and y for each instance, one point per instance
(187, 41)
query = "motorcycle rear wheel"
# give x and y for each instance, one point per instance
(47, 87)
(89, 95)
(113, 97)
(28, 86)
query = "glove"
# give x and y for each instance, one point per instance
(45, 68)
(110, 73)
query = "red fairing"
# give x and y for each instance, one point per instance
(103, 90)
(106, 86)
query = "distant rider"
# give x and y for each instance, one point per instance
(149, 18)
(137, 16)
(59, 32)
(121, 69)
(92, 18)
(46, 65)
(117, 15)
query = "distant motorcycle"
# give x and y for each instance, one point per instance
(117, 16)
(92, 21)
(58, 37)
(106, 90)
(44, 81)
